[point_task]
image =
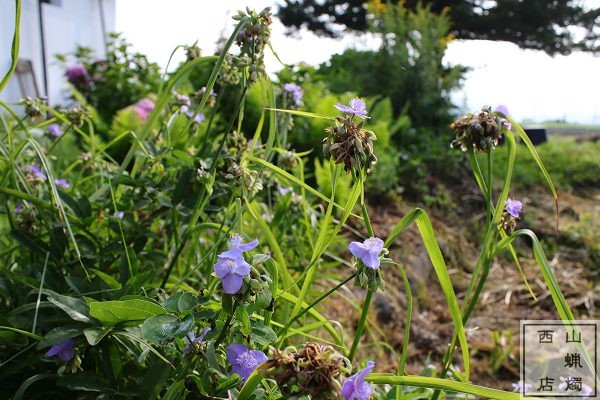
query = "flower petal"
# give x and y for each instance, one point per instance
(241, 268)
(358, 105)
(367, 370)
(232, 283)
(344, 108)
(233, 351)
(259, 356)
(358, 249)
(371, 260)
(248, 246)
(224, 266)
(53, 350)
(374, 244)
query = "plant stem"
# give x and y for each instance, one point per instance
(490, 198)
(367, 302)
(361, 324)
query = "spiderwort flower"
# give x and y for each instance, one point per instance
(237, 248)
(231, 271)
(295, 91)
(63, 183)
(184, 101)
(368, 251)
(143, 108)
(355, 387)
(65, 350)
(513, 207)
(504, 110)
(244, 361)
(194, 341)
(357, 107)
(198, 118)
(34, 173)
(54, 130)
(77, 74)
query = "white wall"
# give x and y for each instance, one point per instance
(66, 25)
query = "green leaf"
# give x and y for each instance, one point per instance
(58, 335)
(77, 309)
(242, 316)
(181, 302)
(162, 328)
(109, 280)
(262, 334)
(115, 311)
(175, 391)
(95, 335)
(84, 381)
(260, 258)
(443, 384)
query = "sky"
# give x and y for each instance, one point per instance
(533, 85)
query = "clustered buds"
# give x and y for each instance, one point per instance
(253, 39)
(348, 143)
(34, 107)
(76, 115)
(314, 370)
(481, 131)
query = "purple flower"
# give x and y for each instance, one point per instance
(64, 349)
(521, 386)
(231, 267)
(368, 251)
(502, 109)
(119, 214)
(212, 92)
(78, 75)
(18, 208)
(198, 118)
(284, 190)
(231, 271)
(513, 207)
(237, 248)
(62, 183)
(357, 107)
(243, 360)
(184, 101)
(34, 173)
(54, 130)
(143, 107)
(194, 341)
(355, 387)
(296, 92)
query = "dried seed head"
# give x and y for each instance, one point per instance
(481, 131)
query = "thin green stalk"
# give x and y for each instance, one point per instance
(486, 256)
(14, 53)
(490, 189)
(361, 324)
(317, 301)
(367, 303)
(39, 298)
(409, 311)
(224, 330)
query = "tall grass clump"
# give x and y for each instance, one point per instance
(191, 263)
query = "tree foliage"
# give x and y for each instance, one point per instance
(556, 27)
